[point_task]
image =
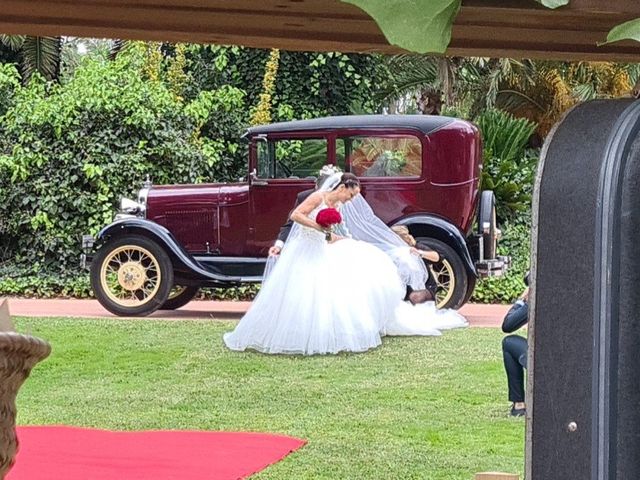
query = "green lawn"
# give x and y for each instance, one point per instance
(427, 408)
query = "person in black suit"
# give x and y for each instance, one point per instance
(514, 351)
(301, 197)
(286, 228)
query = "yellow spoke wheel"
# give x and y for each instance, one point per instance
(445, 280)
(453, 282)
(176, 292)
(179, 296)
(131, 275)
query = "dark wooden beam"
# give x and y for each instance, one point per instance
(507, 28)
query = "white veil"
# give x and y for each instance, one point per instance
(269, 266)
(362, 224)
(331, 182)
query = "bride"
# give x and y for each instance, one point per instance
(328, 293)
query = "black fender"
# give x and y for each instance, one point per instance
(182, 261)
(421, 225)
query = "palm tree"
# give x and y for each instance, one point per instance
(538, 90)
(550, 88)
(430, 82)
(421, 81)
(37, 54)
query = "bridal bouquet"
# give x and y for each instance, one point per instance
(328, 218)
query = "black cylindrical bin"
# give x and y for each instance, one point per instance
(584, 384)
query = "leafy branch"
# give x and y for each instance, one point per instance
(424, 26)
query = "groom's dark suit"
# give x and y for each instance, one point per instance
(286, 228)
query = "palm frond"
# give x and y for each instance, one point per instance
(633, 70)
(119, 46)
(513, 100)
(492, 84)
(584, 92)
(504, 136)
(522, 74)
(14, 42)
(42, 55)
(410, 73)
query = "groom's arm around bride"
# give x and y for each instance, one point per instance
(286, 228)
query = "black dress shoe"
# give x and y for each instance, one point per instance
(518, 412)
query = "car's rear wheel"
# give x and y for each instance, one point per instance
(131, 276)
(450, 274)
(179, 296)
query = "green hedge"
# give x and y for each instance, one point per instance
(20, 281)
(68, 152)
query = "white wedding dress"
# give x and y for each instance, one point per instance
(323, 298)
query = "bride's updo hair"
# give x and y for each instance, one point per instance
(349, 180)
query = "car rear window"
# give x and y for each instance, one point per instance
(380, 156)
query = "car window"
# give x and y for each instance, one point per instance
(291, 158)
(380, 156)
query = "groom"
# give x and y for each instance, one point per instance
(414, 296)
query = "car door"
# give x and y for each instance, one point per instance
(281, 166)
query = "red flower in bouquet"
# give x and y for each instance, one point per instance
(327, 218)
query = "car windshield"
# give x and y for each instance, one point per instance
(291, 158)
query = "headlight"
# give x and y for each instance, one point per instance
(130, 206)
(142, 196)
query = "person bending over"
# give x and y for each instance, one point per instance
(431, 256)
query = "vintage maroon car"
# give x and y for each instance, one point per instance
(419, 171)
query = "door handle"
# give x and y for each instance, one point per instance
(253, 176)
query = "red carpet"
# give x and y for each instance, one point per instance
(56, 453)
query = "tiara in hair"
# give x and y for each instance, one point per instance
(329, 170)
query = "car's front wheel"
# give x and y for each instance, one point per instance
(131, 276)
(449, 274)
(179, 297)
